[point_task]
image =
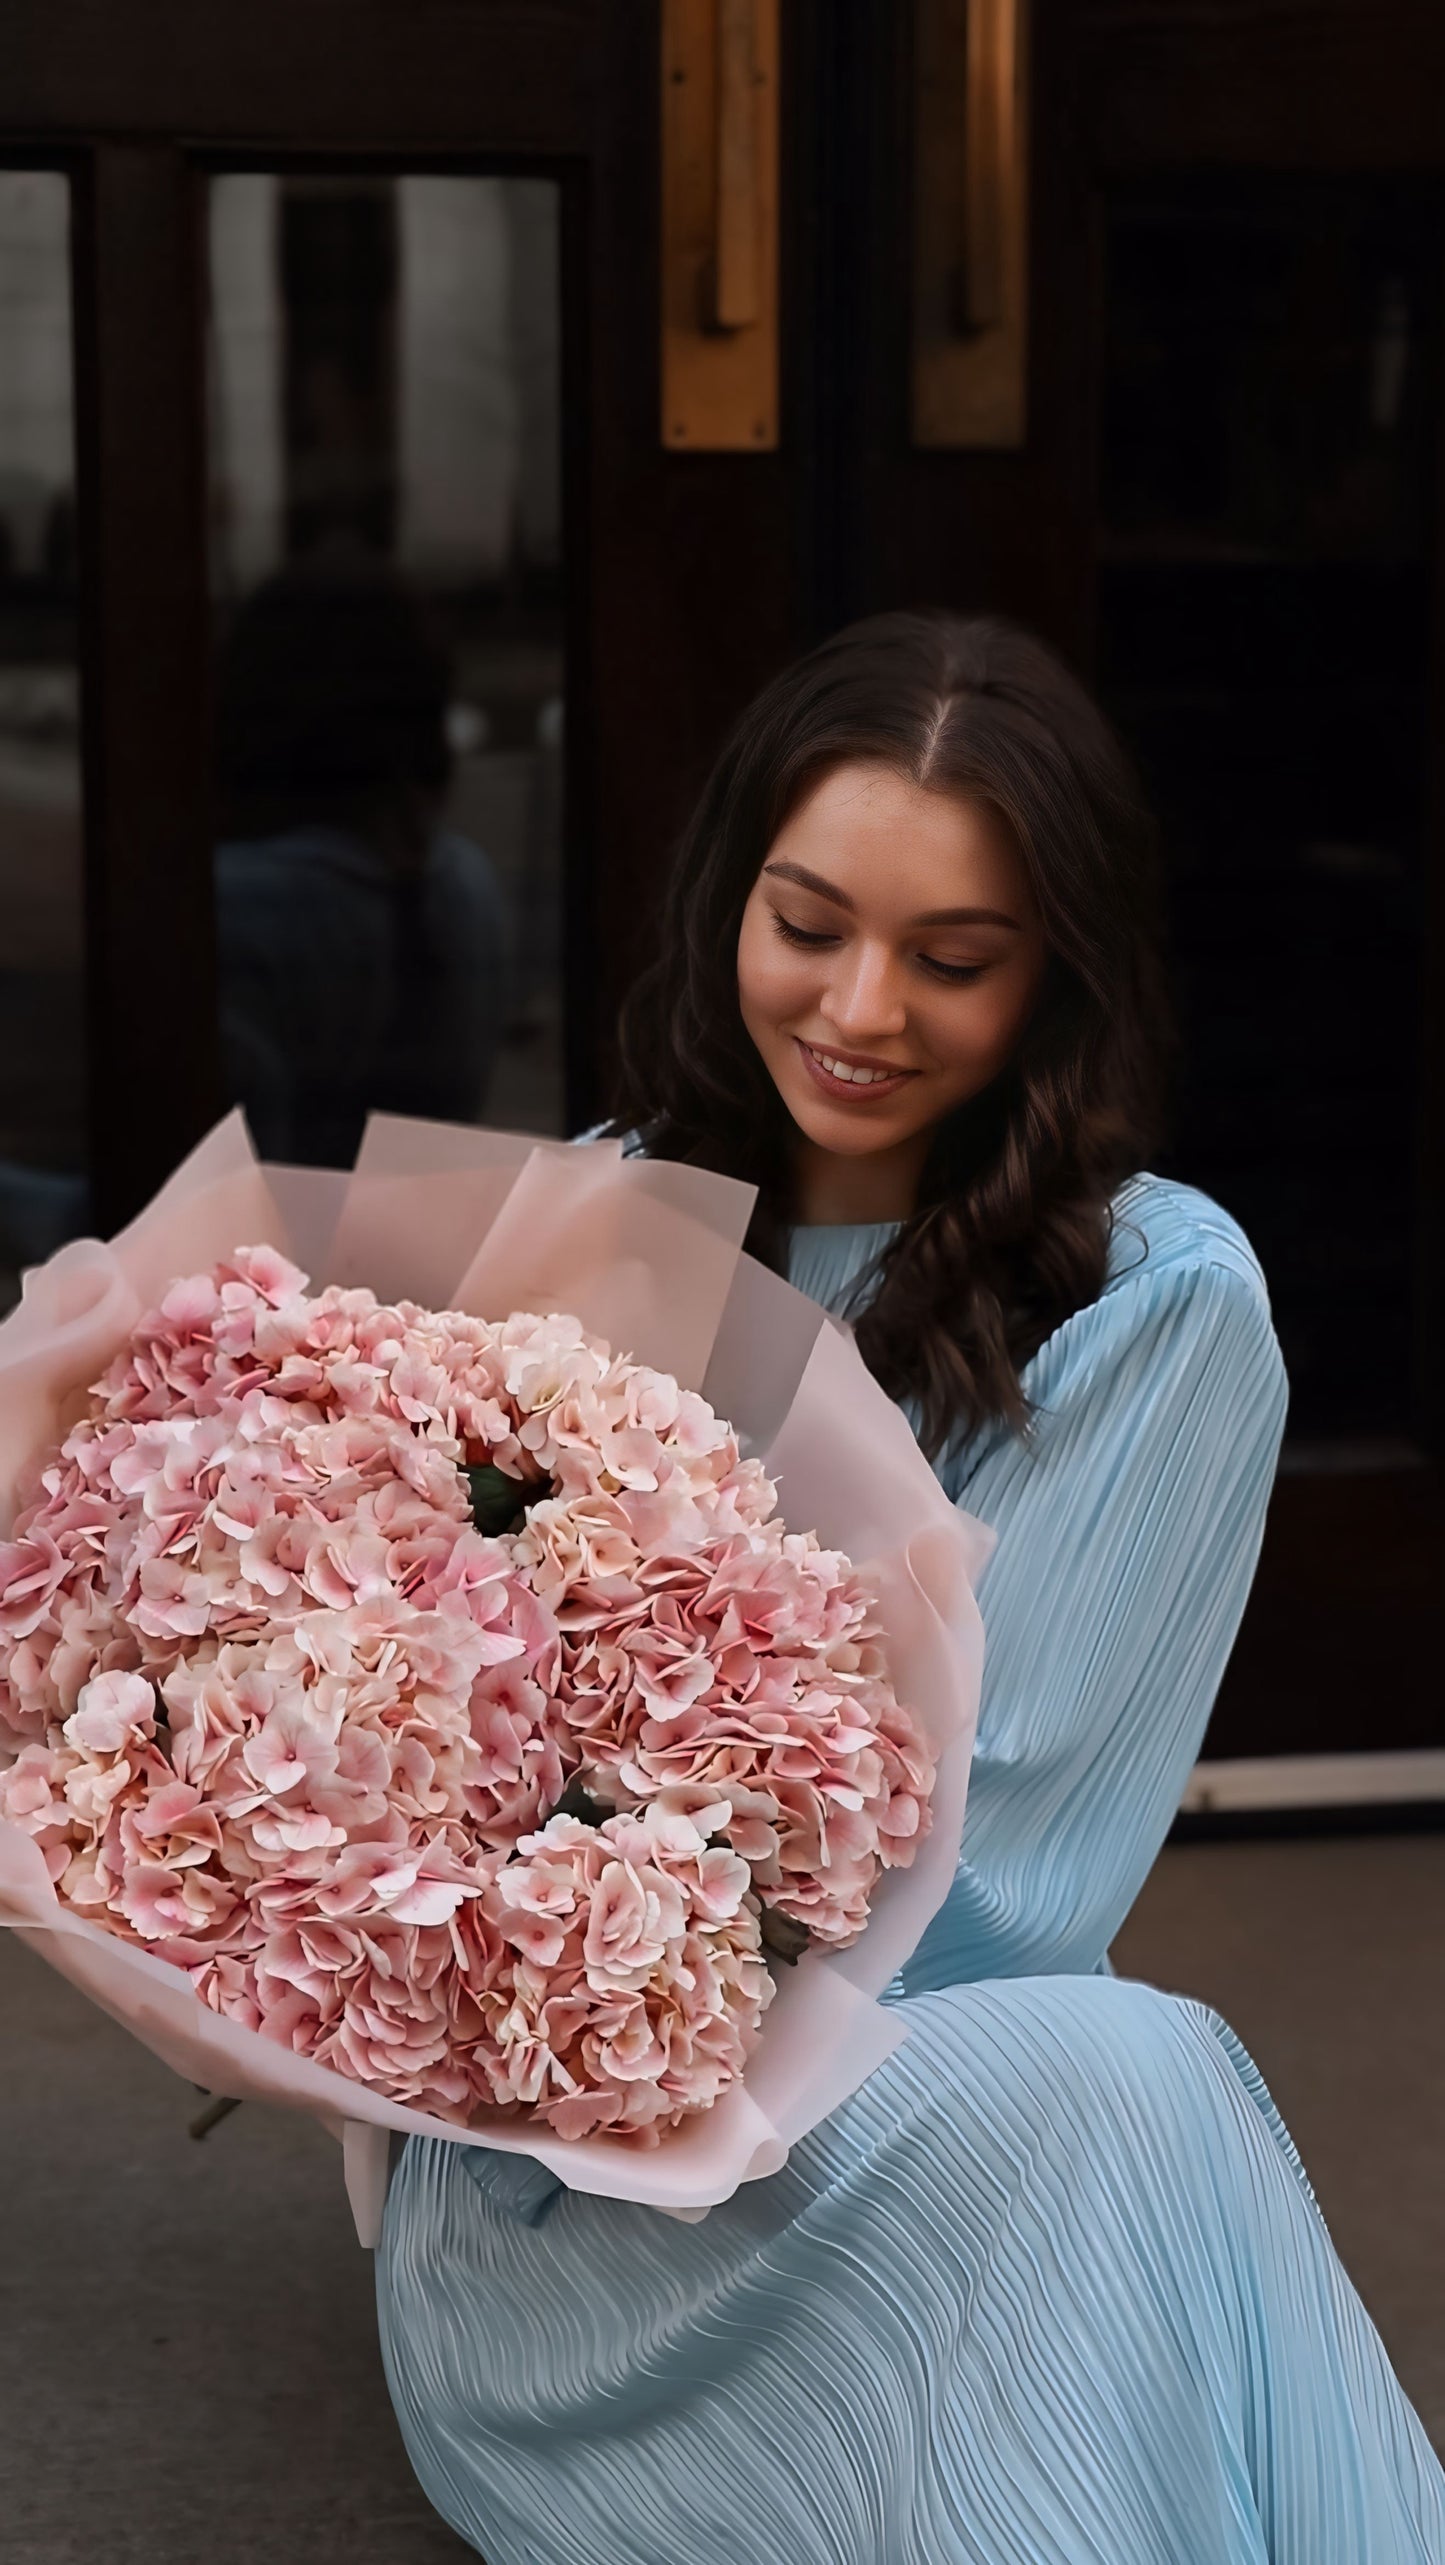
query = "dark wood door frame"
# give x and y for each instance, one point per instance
(690, 576)
(681, 570)
(1342, 1641)
(1340, 1648)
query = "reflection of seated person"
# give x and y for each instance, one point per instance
(363, 959)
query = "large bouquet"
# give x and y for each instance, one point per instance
(441, 1701)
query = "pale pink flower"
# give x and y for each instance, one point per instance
(31, 1569)
(621, 1942)
(272, 1706)
(113, 1710)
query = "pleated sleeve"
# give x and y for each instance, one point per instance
(1129, 1523)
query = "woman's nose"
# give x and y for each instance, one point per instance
(864, 999)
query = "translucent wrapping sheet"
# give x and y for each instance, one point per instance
(649, 1256)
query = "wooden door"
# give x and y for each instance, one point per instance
(673, 590)
(1225, 505)
(1220, 497)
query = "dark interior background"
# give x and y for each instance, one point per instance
(1226, 509)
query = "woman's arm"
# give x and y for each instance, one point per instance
(1129, 1527)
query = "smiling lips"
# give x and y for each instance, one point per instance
(851, 1080)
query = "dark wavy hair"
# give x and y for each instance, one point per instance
(1010, 1232)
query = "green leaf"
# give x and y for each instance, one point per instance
(499, 1503)
(577, 1801)
(783, 1937)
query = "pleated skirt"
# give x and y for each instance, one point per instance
(1050, 2290)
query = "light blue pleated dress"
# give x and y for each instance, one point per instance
(1051, 2288)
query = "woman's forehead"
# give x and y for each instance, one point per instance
(890, 845)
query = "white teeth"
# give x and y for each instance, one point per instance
(852, 1077)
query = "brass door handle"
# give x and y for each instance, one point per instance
(971, 222)
(720, 223)
(735, 266)
(991, 157)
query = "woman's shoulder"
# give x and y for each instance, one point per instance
(1165, 1229)
(1184, 1290)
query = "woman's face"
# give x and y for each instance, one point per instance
(889, 959)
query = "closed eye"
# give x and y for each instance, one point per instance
(799, 934)
(957, 975)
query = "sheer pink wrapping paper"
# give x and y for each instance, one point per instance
(649, 1256)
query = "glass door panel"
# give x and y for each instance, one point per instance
(1265, 600)
(43, 1188)
(387, 585)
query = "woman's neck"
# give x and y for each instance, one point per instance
(832, 1191)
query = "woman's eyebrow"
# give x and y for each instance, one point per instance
(814, 882)
(967, 917)
(807, 881)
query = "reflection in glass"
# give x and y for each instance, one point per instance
(1271, 419)
(386, 571)
(43, 1197)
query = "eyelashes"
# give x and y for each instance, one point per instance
(798, 934)
(956, 975)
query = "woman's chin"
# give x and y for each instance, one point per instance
(844, 1130)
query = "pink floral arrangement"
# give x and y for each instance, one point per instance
(447, 1699)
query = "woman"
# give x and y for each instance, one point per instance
(1051, 2287)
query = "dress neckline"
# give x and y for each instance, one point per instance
(843, 1228)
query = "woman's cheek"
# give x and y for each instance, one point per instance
(775, 986)
(977, 1037)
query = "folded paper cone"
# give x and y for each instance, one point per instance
(648, 1255)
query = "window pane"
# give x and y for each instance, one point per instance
(387, 578)
(43, 1197)
(1271, 417)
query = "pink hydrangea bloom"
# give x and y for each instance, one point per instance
(272, 1706)
(754, 1670)
(638, 1982)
